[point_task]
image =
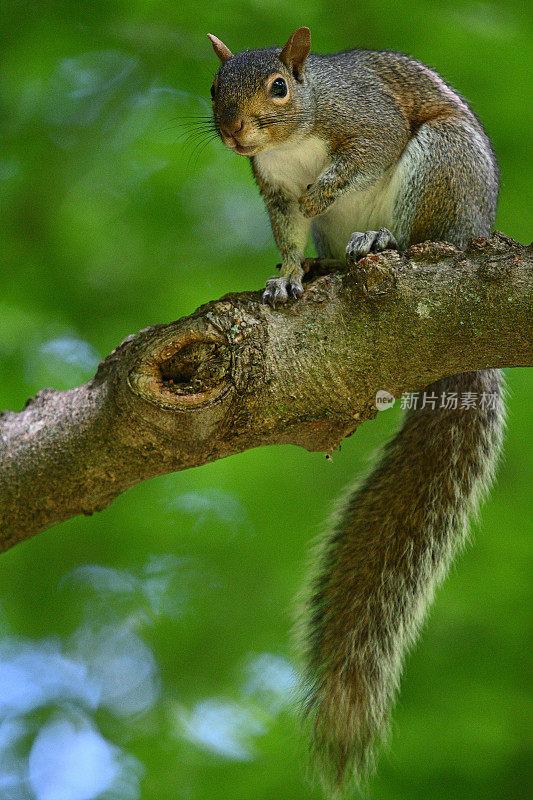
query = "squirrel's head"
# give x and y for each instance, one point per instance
(261, 97)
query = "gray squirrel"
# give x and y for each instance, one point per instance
(369, 151)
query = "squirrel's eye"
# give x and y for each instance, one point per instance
(278, 88)
(212, 91)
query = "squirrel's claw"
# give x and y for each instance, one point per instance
(279, 290)
(361, 244)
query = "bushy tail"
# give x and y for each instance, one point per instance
(390, 544)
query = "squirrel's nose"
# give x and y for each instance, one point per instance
(233, 127)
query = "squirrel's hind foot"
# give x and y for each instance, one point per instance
(279, 290)
(361, 244)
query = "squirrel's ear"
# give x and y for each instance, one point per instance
(223, 52)
(296, 50)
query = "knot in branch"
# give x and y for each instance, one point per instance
(188, 368)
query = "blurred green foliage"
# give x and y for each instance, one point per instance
(115, 215)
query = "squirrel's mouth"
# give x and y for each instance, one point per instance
(233, 143)
(241, 149)
(245, 150)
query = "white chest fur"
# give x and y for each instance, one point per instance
(292, 167)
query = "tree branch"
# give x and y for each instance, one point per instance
(237, 374)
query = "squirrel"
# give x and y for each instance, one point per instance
(367, 151)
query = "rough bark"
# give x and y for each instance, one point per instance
(237, 374)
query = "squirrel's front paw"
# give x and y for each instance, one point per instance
(361, 244)
(278, 290)
(315, 201)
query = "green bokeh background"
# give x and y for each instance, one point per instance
(111, 220)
